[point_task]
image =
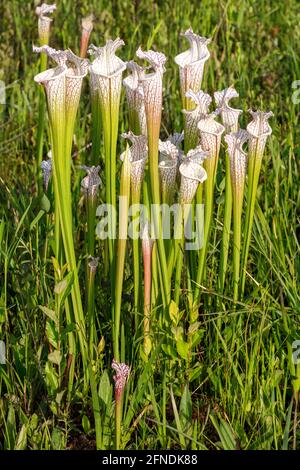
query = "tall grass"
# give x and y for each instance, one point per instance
(220, 376)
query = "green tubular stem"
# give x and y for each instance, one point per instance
(190, 297)
(193, 254)
(154, 278)
(62, 193)
(134, 124)
(179, 265)
(136, 276)
(211, 166)
(41, 123)
(70, 258)
(67, 203)
(91, 310)
(135, 197)
(96, 130)
(175, 247)
(161, 253)
(107, 146)
(121, 252)
(153, 127)
(177, 260)
(199, 194)
(160, 299)
(72, 350)
(167, 241)
(118, 422)
(91, 221)
(254, 166)
(180, 252)
(190, 255)
(114, 122)
(110, 113)
(147, 256)
(154, 258)
(226, 226)
(191, 142)
(237, 221)
(71, 337)
(110, 122)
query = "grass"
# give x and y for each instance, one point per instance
(230, 382)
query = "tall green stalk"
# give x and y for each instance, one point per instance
(96, 128)
(238, 165)
(138, 155)
(44, 34)
(258, 130)
(91, 272)
(147, 246)
(210, 132)
(230, 120)
(226, 225)
(192, 173)
(106, 80)
(63, 88)
(155, 194)
(135, 199)
(41, 121)
(179, 259)
(121, 250)
(209, 187)
(253, 178)
(89, 187)
(152, 86)
(237, 222)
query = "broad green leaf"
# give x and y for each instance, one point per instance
(58, 439)
(52, 334)
(63, 288)
(45, 203)
(177, 332)
(174, 312)
(182, 349)
(169, 350)
(86, 425)
(50, 313)
(55, 357)
(185, 408)
(22, 438)
(51, 377)
(105, 389)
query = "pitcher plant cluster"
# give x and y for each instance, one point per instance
(151, 171)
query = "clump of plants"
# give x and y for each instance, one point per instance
(159, 199)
